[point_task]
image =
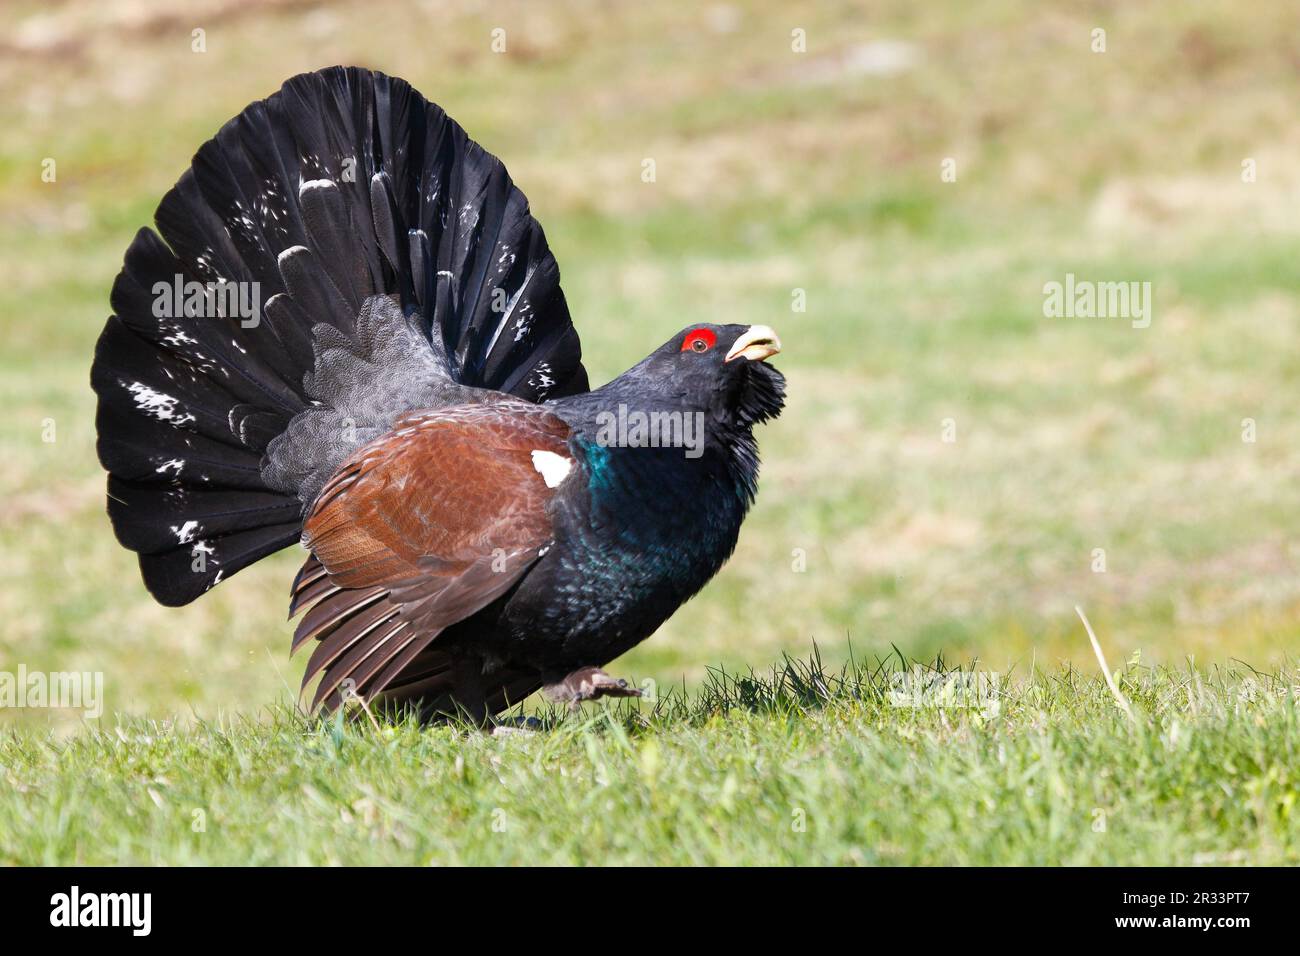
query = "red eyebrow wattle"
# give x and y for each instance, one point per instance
(706, 335)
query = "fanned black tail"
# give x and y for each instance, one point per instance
(339, 253)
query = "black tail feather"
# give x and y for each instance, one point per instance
(171, 576)
(217, 429)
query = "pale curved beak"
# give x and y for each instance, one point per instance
(756, 344)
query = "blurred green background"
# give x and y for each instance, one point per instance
(776, 171)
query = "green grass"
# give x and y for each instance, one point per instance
(776, 171)
(800, 765)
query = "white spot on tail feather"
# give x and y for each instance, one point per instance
(291, 251)
(311, 184)
(158, 405)
(552, 467)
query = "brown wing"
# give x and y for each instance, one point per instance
(418, 530)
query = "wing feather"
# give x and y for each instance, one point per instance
(417, 530)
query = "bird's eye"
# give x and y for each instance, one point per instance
(699, 340)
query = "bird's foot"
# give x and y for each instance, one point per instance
(588, 683)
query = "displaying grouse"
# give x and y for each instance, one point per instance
(351, 334)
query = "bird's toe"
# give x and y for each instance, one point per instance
(589, 683)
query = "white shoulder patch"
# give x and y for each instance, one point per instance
(552, 467)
